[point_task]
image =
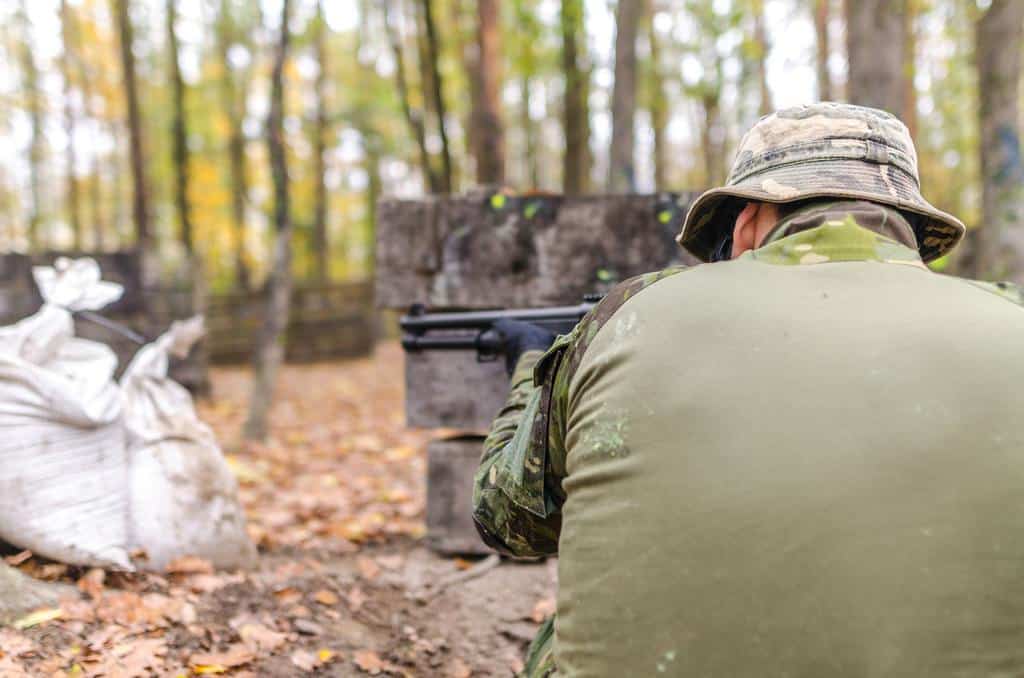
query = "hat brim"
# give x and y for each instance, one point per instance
(937, 234)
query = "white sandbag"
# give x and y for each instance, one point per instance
(63, 460)
(184, 497)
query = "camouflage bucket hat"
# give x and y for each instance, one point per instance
(823, 150)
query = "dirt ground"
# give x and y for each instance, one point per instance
(335, 501)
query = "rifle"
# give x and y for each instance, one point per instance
(425, 330)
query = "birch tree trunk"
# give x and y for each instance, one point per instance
(874, 45)
(621, 172)
(575, 107)
(270, 344)
(67, 66)
(488, 132)
(822, 15)
(140, 190)
(1000, 239)
(321, 252)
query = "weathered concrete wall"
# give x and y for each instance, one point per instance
(487, 250)
(450, 466)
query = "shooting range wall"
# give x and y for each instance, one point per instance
(486, 250)
(327, 321)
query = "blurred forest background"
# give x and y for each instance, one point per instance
(158, 123)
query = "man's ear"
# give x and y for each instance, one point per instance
(745, 230)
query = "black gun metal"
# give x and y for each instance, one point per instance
(424, 330)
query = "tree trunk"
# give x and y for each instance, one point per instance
(66, 64)
(575, 107)
(37, 141)
(96, 211)
(822, 15)
(710, 141)
(657, 104)
(180, 153)
(270, 346)
(140, 190)
(485, 69)
(413, 117)
(874, 45)
(437, 93)
(233, 105)
(374, 190)
(179, 134)
(621, 173)
(321, 253)
(761, 40)
(20, 594)
(908, 112)
(1000, 239)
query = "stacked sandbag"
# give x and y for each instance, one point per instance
(63, 460)
(184, 497)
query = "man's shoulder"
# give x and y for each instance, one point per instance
(574, 345)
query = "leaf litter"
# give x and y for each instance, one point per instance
(335, 501)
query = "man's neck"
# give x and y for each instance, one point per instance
(885, 221)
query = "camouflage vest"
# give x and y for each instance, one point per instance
(803, 462)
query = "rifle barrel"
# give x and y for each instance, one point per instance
(557, 315)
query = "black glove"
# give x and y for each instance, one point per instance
(521, 337)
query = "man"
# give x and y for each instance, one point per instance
(806, 459)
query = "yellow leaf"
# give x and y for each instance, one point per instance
(325, 655)
(38, 617)
(205, 669)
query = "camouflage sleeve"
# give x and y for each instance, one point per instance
(517, 492)
(517, 489)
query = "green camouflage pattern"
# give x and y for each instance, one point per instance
(517, 493)
(540, 657)
(824, 150)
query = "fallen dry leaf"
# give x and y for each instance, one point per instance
(325, 597)
(91, 583)
(18, 558)
(36, 618)
(189, 565)
(392, 562)
(367, 568)
(544, 608)
(355, 598)
(307, 661)
(459, 669)
(236, 655)
(371, 663)
(14, 644)
(259, 638)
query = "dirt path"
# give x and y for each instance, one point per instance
(335, 502)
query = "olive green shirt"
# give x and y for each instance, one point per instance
(806, 461)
